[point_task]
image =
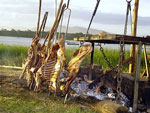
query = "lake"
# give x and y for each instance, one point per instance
(15, 40)
(23, 41)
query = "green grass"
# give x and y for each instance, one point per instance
(22, 101)
(15, 97)
(14, 55)
(113, 57)
(111, 54)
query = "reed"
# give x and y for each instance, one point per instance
(14, 55)
(113, 57)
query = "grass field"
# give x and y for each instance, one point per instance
(14, 55)
(15, 97)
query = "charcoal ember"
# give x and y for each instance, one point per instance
(110, 90)
(124, 100)
(85, 77)
(82, 88)
(111, 95)
(98, 96)
(103, 89)
(79, 86)
(94, 83)
(63, 74)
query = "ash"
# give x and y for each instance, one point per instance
(82, 87)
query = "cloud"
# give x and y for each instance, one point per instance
(23, 6)
(20, 14)
(145, 21)
(107, 18)
(23, 13)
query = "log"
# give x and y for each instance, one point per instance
(11, 67)
(108, 107)
(104, 106)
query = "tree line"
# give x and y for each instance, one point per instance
(31, 34)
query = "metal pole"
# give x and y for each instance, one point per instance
(134, 30)
(91, 62)
(95, 10)
(127, 13)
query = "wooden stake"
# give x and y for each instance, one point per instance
(134, 30)
(146, 61)
(137, 76)
(11, 67)
(51, 33)
(43, 23)
(39, 14)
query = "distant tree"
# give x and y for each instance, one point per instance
(31, 34)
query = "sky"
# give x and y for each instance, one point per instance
(110, 17)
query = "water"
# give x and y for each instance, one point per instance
(24, 41)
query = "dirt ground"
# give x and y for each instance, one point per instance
(15, 97)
